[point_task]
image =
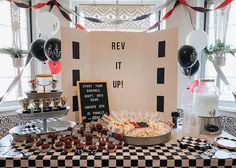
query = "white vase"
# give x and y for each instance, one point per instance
(18, 62)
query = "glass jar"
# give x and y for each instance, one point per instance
(206, 99)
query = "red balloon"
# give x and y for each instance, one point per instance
(55, 67)
(193, 85)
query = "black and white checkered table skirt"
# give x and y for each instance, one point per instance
(170, 156)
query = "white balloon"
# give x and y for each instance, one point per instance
(198, 39)
(47, 24)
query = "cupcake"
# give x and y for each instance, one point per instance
(93, 128)
(104, 131)
(102, 145)
(89, 143)
(45, 148)
(39, 143)
(68, 138)
(99, 127)
(68, 147)
(92, 147)
(89, 137)
(80, 146)
(111, 147)
(29, 141)
(76, 141)
(58, 145)
(67, 142)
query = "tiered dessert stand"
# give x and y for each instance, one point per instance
(47, 104)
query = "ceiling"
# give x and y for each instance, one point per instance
(136, 2)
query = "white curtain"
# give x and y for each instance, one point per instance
(16, 41)
(221, 18)
(107, 13)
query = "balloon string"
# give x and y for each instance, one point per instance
(190, 18)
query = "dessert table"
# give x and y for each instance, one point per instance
(164, 155)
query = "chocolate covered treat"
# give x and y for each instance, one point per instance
(68, 147)
(39, 143)
(89, 137)
(92, 147)
(99, 127)
(80, 146)
(46, 146)
(111, 147)
(29, 141)
(59, 144)
(67, 142)
(104, 131)
(69, 138)
(93, 128)
(76, 141)
(102, 143)
(89, 142)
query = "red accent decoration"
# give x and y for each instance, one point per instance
(168, 14)
(39, 5)
(135, 124)
(55, 67)
(55, 2)
(224, 4)
(193, 85)
(79, 26)
(183, 2)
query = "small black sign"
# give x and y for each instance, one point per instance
(212, 128)
(93, 100)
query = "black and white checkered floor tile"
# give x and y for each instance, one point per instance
(129, 156)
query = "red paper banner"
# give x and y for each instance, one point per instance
(79, 26)
(39, 5)
(224, 4)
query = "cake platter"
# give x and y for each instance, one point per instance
(43, 114)
(20, 132)
(164, 136)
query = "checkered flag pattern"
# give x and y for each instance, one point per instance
(31, 128)
(169, 156)
(192, 143)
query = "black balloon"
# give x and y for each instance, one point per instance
(37, 49)
(52, 49)
(187, 56)
(192, 70)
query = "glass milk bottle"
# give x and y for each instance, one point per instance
(206, 98)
